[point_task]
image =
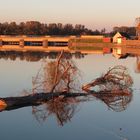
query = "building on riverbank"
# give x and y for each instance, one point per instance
(120, 36)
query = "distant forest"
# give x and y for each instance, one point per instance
(131, 31)
(37, 28)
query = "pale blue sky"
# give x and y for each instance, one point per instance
(92, 13)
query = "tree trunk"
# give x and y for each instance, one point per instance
(10, 103)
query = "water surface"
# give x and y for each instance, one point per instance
(92, 119)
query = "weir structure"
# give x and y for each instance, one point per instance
(31, 43)
(82, 44)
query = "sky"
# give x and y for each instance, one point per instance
(94, 14)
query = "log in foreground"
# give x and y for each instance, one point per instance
(117, 100)
(10, 103)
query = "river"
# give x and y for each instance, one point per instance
(92, 119)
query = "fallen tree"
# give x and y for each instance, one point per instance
(56, 89)
(10, 103)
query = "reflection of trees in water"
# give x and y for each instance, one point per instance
(116, 101)
(36, 56)
(62, 109)
(113, 88)
(28, 56)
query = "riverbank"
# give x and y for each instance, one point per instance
(89, 44)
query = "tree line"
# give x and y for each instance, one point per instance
(37, 28)
(131, 31)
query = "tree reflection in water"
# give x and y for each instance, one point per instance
(33, 56)
(117, 101)
(61, 75)
(62, 109)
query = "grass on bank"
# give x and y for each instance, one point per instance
(88, 48)
(86, 40)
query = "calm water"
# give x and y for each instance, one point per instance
(92, 119)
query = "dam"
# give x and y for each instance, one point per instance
(83, 44)
(33, 43)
